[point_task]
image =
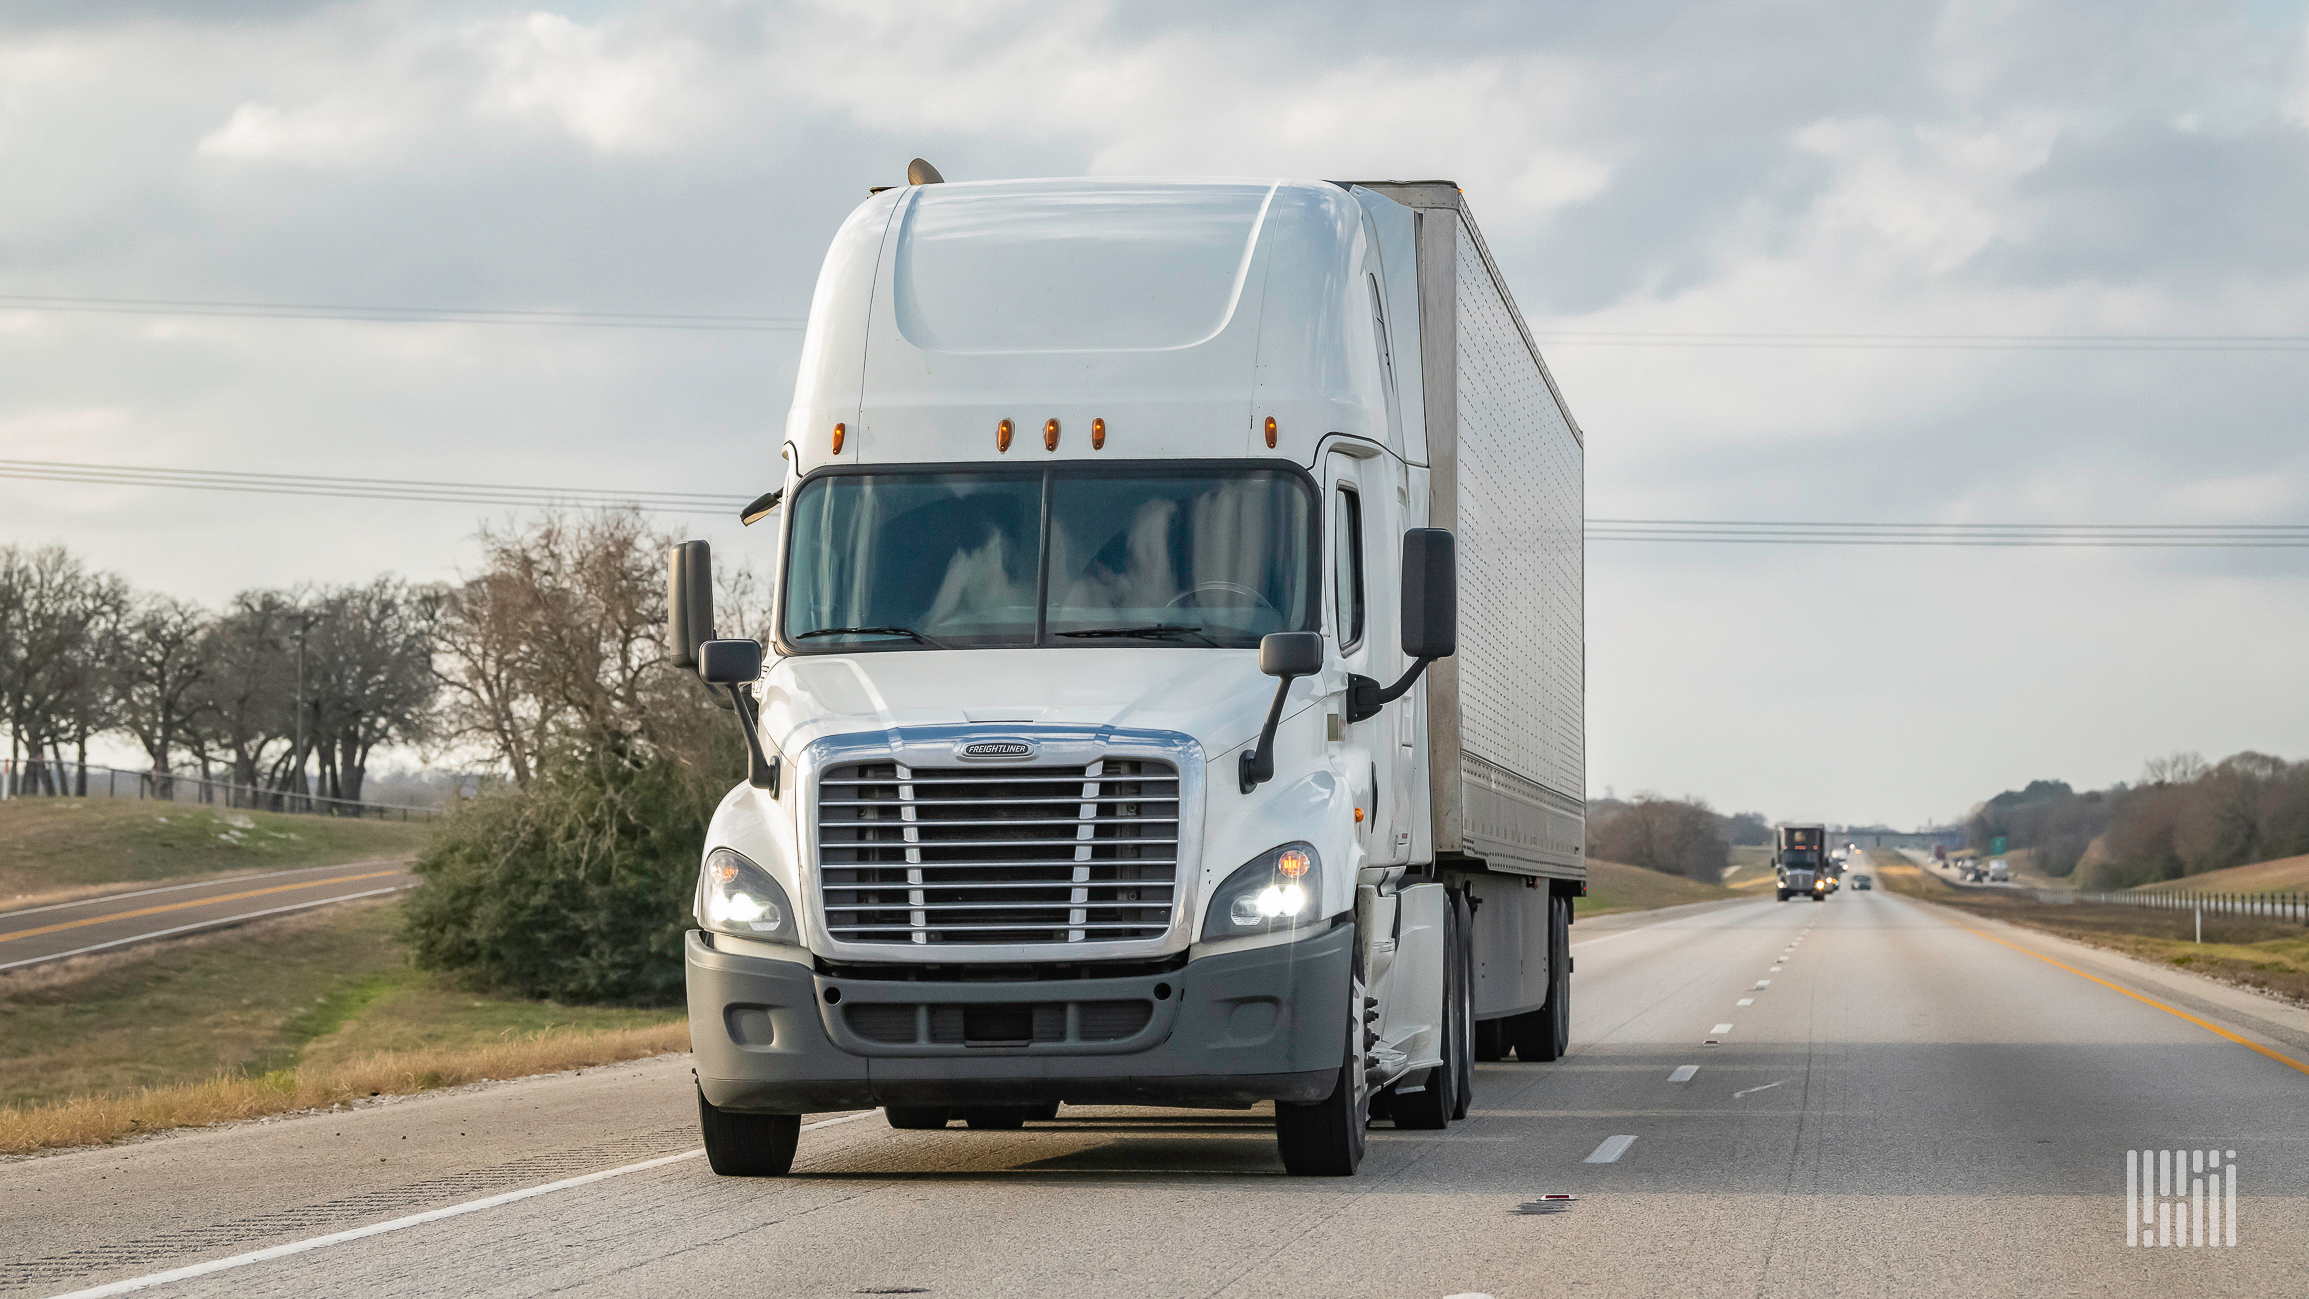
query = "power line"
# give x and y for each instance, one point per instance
(397, 315)
(1685, 531)
(680, 320)
(1942, 342)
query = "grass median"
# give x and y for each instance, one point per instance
(2259, 954)
(296, 1013)
(53, 848)
(1612, 887)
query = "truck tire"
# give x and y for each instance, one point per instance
(748, 1145)
(1042, 1113)
(1325, 1138)
(1432, 1107)
(1544, 1034)
(1783, 895)
(917, 1118)
(995, 1118)
(1465, 1005)
(1491, 1044)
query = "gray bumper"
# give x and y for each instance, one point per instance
(1225, 1030)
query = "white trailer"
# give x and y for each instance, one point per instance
(1176, 691)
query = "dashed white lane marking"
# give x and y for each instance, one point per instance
(1683, 1073)
(1721, 1029)
(1763, 983)
(1765, 1088)
(413, 1220)
(1610, 1151)
(1745, 1001)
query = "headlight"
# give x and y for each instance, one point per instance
(1280, 889)
(737, 897)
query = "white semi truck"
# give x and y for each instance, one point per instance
(1176, 694)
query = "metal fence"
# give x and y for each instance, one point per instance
(2291, 908)
(22, 779)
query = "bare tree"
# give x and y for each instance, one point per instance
(368, 676)
(245, 703)
(156, 673)
(560, 636)
(58, 622)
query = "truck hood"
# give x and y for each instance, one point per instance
(1218, 697)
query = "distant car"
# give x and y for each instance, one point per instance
(1862, 882)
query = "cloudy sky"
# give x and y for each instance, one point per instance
(1742, 169)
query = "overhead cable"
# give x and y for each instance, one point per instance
(1689, 531)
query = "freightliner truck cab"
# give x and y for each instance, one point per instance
(1096, 756)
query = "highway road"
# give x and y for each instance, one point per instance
(113, 920)
(1897, 1100)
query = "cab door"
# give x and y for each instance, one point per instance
(1363, 511)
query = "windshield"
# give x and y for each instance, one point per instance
(1805, 857)
(968, 559)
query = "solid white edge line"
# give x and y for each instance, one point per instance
(205, 924)
(1610, 1151)
(413, 1220)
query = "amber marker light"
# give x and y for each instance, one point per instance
(838, 431)
(1050, 435)
(1098, 435)
(1292, 864)
(1270, 432)
(1002, 436)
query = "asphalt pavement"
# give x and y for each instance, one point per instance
(35, 935)
(1863, 1096)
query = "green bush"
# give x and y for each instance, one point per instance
(576, 888)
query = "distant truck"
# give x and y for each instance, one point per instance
(1998, 873)
(1799, 859)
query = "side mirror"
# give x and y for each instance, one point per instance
(1290, 654)
(689, 603)
(1284, 654)
(1430, 594)
(729, 662)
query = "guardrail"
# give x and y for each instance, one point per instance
(23, 779)
(2292, 908)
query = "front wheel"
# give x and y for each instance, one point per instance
(748, 1145)
(1325, 1138)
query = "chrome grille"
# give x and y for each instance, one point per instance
(1000, 855)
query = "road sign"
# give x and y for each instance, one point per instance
(1996, 846)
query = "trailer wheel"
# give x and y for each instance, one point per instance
(1325, 1138)
(1491, 1044)
(748, 1145)
(1464, 1005)
(1543, 1034)
(1438, 1099)
(917, 1118)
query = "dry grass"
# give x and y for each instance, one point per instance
(2249, 952)
(2284, 875)
(96, 1120)
(1613, 886)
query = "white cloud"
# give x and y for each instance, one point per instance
(321, 134)
(618, 92)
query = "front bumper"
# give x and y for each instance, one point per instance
(1231, 1029)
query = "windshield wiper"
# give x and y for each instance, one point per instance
(870, 631)
(1154, 631)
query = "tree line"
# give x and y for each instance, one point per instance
(287, 691)
(2184, 816)
(1676, 836)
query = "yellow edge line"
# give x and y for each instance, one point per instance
(2215, 1029)
(196, 902)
